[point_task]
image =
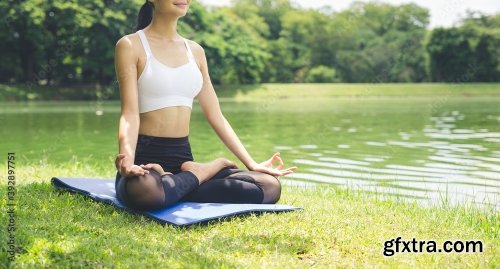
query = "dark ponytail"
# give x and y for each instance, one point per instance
(145, 16)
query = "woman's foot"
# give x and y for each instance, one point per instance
(205, 171)
(219, 163)
(189, 165)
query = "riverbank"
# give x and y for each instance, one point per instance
(305, 90)
(21, 92)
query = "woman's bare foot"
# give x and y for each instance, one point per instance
(189, 165)
(225, 163)
(204, 171)
(219, 162)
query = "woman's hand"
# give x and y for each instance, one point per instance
(267, 167)
(126, 168)
(156, 167)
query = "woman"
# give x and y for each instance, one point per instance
(159, 73)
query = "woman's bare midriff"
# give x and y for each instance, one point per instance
(166, 122)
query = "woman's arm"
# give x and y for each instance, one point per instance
(211, 107)
(126, 73)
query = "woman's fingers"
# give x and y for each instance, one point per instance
(280, 164)
(153, 166)
(275, 155)
(284, 172)
(270, 161)
(289, 170)
(136, 170)
(293, 168)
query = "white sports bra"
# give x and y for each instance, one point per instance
(161, 86)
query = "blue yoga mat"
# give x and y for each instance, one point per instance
(179, 214)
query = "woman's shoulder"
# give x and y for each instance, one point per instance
(196, 48)
(128, 41)
(194, 45)
(128, 47)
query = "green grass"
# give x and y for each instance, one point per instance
(336, 228)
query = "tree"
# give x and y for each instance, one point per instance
(451, 56)
(485, 60)
(376, 42)
(61, 41)
(236, 53)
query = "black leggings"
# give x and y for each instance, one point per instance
(226, 186)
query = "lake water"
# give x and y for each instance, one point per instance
(427, 149)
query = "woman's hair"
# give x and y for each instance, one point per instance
(145, 15)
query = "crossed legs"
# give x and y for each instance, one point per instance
(231, 185)
(215, 182)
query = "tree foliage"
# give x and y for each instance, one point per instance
(72, 42)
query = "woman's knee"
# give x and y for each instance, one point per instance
(270, 185)
(144, 192)
(272, 194)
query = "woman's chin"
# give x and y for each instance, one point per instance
(181, 13)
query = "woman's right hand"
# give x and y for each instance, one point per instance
(127, 168)
(156, 167)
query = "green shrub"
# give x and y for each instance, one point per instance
(321, 74)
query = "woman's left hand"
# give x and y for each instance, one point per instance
(267, 167)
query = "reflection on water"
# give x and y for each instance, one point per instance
(452, 171)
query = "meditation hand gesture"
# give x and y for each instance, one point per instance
(267, 166)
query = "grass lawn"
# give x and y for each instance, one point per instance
(336, 228)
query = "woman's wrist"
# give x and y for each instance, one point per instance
(123, 160)
(250, 166)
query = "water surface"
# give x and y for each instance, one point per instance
(420, 148)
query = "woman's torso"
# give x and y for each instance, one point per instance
(171, 121)
(166, 122)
